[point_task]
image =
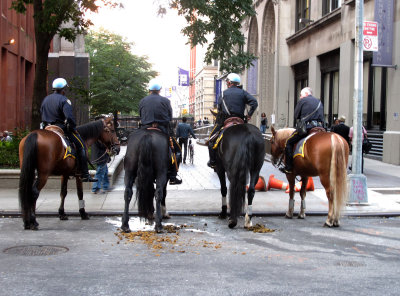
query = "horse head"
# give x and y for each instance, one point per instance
(278, 143)
(109, 136)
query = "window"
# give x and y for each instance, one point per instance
(302, 12)
(330, 5)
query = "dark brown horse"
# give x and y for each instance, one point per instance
(42, 153)
(325, 155)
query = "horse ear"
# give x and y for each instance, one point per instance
(213, 112)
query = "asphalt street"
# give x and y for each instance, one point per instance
(204, 257)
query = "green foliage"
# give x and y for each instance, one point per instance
(220, 20)
(118, 78)
(9, 150)
(51, 14)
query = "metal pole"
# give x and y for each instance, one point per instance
(357, 181)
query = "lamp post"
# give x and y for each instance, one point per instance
(357, 181)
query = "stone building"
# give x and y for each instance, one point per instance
(17, 67)
(311, 43)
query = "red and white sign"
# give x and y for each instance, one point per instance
(370, 38)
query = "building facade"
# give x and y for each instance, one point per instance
(311, 43)
(17, 67)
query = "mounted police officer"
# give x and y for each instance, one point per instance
(156, 111)
(311, 110)
(56, 110)
(232, 104)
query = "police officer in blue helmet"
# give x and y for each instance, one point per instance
(156, 111)
(56, 110)
(232, 104)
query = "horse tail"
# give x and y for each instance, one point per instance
(27, 175)
(338, 175)
(239, 169)
(145, 178)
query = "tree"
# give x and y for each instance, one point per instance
(118, 78)
(49, 15)
(221, 19)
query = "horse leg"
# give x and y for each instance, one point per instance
(224, 190)
(326, 183)
(79, 188)
(302, 213)
(250, 196)
(291, 180)
(164, 211)
(129, 179)
(63, 194)
(32, 224)
(158, 196)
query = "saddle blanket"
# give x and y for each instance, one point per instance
(59, 132)
(299, 147)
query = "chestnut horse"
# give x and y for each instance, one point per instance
(42, 153)
(325, 155)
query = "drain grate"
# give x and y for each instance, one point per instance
(36, 250)
(350, 264)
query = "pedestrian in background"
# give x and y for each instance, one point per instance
(342, 129)
(6, 137)
(101, 158)
(182, 133)
(264, 123)
(364, 134)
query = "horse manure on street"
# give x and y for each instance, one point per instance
(171, 240)
(260, 229)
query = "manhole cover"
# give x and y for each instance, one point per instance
(36, 250)
(350, 264)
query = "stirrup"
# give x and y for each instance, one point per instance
(211, 164)
(286, 170)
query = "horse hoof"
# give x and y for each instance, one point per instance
(301, 216)
(222, 215)
(159, 229)
(63, 217)
(232, 224)
(328, 225)
(85, 217)
(34, 226)
(125, 229)
(167, 216)
(288, 217)
(336, 224)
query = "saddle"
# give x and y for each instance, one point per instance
(231, 121)
(69, 152)
(298, 149)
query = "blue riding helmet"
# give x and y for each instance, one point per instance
(154, 85)
(59, 83)
(233, 77)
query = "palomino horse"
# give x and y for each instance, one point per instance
(240, 153)
(42, 153)
(325, 155)
(146, 160)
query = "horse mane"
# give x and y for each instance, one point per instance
(282, 135)
(91, 129)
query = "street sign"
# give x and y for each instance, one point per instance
(370, 36)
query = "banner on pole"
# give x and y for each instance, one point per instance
(384, 16)
(183, 77)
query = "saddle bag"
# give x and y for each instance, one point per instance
(301, 127)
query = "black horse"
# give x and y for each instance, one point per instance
(240, 153)
(147, 159)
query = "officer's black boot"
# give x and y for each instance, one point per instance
(212, 152)
(172, 175)
(288, 160)
(84, 170)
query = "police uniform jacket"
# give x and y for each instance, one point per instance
(155, 108)
(306, 106)
(56, 109)
(184, 130)
(236, 100)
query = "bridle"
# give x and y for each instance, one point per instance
(280, 159)
(113, 144)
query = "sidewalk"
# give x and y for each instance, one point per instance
(199, 194)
